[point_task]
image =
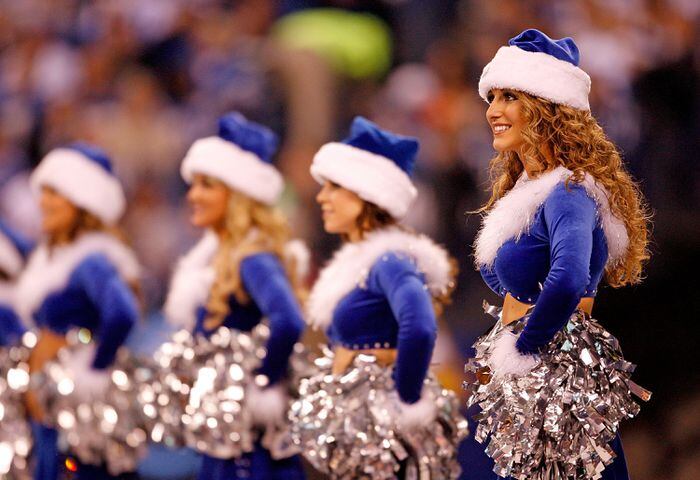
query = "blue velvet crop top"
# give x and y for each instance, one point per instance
(555, 256)
(376, 293)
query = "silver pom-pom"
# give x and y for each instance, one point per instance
(348, 425)
(197, 395)
(102, 428)
(557, 420)
(15, 434)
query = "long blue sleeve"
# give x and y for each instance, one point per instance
(11, 328)
(265, 281)
(114, 302)
(570, 217)
(411, 305)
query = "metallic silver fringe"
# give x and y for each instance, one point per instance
(105, 431)
(197, 393)
(346, 426)
(556, 422)
(15, 434)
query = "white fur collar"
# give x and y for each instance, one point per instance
(513, 214)
(194, 276)
(351, 265)
(48, 270)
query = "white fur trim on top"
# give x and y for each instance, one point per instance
(351, 265)
(374, 178)
(538, 74)
(416, 415)
(505, 359)
(239, 169)
(48, 269)
(191, 283)
(513, 214)
(10, 259)
(193, 278)
(82, 181)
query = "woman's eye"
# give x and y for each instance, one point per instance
(489, 98)
(509, 96)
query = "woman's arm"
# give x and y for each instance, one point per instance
(570, 217)
(266, 282)
(114, 302)
(410, 302)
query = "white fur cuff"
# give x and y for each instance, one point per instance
(374, 178)
(416, 415)
(239, 169)
(538, 74)
(505, 358)
(90, 384)
(268, 405)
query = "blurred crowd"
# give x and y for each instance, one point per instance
(144, 78)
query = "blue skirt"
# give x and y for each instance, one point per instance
(256, 465)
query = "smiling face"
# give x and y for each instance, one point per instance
(505, 118)
(209, 199)
(58, 214)
(340, 209)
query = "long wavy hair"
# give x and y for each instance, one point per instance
(250, 227)
(373, 218)
(577, 142)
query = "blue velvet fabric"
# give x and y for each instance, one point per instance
(272, 297)
(557, 262)
(256, 465)
(249, 136)
(565, 252)
(96, 298)
(532, 40)
(11, 328)
(366, 135)
(393, 311)
(94, 154)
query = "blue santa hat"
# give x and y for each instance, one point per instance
(373, 163)
(240, 156)
(14, 249)
(538, 65)
(84, 175)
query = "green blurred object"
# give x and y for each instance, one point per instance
(356, 44)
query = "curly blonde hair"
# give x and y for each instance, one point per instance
(577, 142)
(250, 227)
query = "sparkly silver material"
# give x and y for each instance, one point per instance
(346, 425)
(556, 422)
(198, 391)
(15, 434)
(103, 431)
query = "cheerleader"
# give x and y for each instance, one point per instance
(79, 277)
(240, 273)
(374, 410)
(563, 215)
(14, 249)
